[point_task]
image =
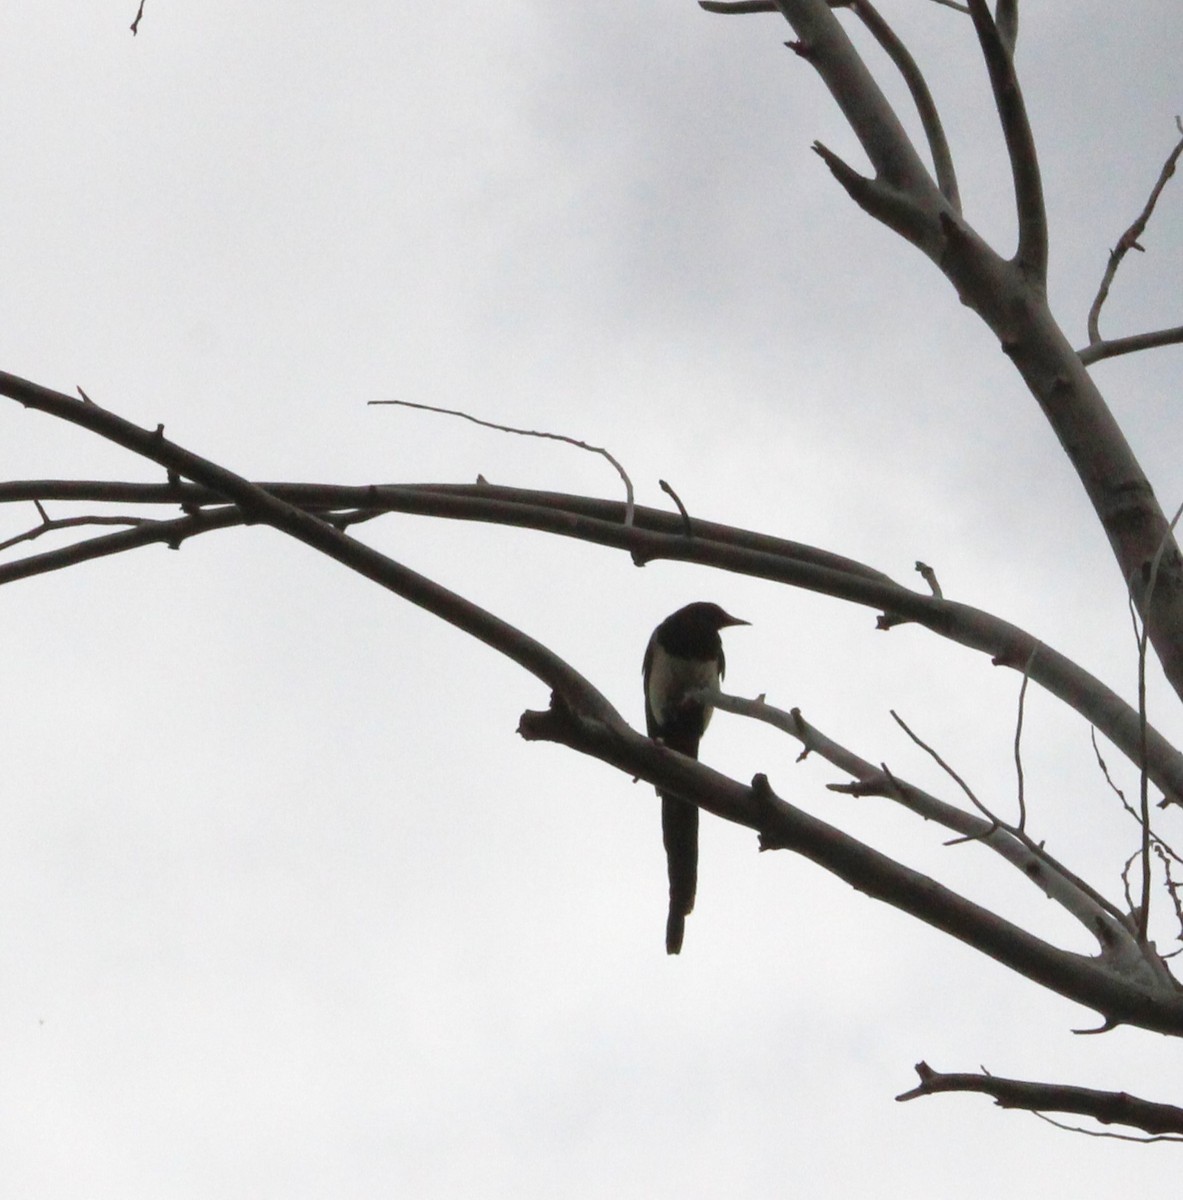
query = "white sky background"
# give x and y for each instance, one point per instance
(289, 910)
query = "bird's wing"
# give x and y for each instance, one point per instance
(646, 671)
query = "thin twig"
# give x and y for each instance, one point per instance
(1143, 781)
(1019, 737)
(1037, 865)
(945, 767)
(1159, 840)
(537, 433)
(1036, 848)
(669, 491)
(1125, 883)
(1144, 778)
(1105, 1133)
(1109, 778)
(930, 577)
(1173, 888)
(49, 526)
(135, 25)
(1129, 241)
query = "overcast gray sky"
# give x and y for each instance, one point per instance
(289, 909)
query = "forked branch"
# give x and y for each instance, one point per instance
(1008, 294)
(1099, 347)
(582, 718)
(1113, 931)
(1133, 995)
(1031, 255)
(258, 506)
(655, 535)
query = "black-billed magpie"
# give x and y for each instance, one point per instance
(684, 655)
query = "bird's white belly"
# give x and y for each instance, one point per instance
(671, 679)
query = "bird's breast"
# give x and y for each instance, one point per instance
(672, 680)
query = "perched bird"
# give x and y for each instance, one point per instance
(684, 655)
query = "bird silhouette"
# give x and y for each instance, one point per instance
(684, 656)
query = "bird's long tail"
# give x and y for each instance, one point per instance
(679, 831)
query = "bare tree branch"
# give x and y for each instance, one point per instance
(1102, 919)
(259, 506)
(1010, 296)
(49, 525)
(1127, 242)
(1031, 256)
(1019, 783)
(930, 117)
(899, 54)
(969, 792)
(898, 167)
(662, 535)
(168, 533)
(1111, 348)
(535, 433)
(1006, 18)
(1140, 995)
(583, 719)
(1110, 1108)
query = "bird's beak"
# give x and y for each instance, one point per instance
(730, 620)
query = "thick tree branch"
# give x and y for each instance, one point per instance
(582, 718)
(1143, 998)
(1009, 296)
(898, 168)
(1110, 1108)
(259, 506)
(899, 54)
(657, 535)
(930, 117)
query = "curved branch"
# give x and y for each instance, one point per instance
(1099, 917)
(930, 118)
(1031, 256)
(581, 717)
(1127, 242)
(1143, 998)
(899, 54)
(662, 535)
(897, 165)
(257, 505)
(1110, 1108)
(1010, 296)
(534, 433)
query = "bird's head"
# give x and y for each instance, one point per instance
(706, 615)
